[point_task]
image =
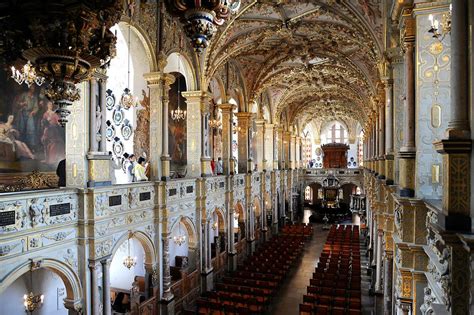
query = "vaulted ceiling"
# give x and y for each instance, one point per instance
(316, 59)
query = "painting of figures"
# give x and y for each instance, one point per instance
(177, 140)
(31, 138)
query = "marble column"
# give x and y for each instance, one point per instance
(206, 169)
(94, 90)
(407, 152)
(458, 125)
(102, 93)
(293, 151)
(167, 294)
(298, 152)
(381, 156)
(389, 157)
(167, 79)
(388, 280)
(227, 114)
(280, 148)
(259, 159)
(378, 264)
(197, 121)
(276, 148)
(457, 148)
(156, 111)
(106, 302)
(98, 159)
(245, 162)
(268, 146)
(95, 296)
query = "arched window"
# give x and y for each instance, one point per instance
(336, 133)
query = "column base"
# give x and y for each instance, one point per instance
(231, 262)
(250, 247)
(167, 307)
(207, 280)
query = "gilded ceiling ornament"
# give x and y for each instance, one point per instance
(201, 18)
(65, 46)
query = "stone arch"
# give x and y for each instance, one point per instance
(221, 218)
(146, 42)
(69, 277)
(187, 69)
(240, 209)
(220, 86)
(190, 229)
(145, 241)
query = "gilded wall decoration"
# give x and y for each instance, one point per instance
(432, 104)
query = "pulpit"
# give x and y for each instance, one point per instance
(335, 155)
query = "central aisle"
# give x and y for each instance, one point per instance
(291, 293)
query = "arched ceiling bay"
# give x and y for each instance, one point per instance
(315, 58)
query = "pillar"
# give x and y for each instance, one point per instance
(98, 159)
(388, 279)
(293, 152)
(198, 146)
(280, 148)
(407, 152)
(156, 111)
(93, 111)
(227, 114)
(259, 159)
(298, 152)
(166, 81)
(458, 126)
(268, 146)
(167, 294)
(276, 146)
(245, 162)
(381, 161)
(102, 93)
(106, 287)
(95, 296)
(456, 149)
(389, 157)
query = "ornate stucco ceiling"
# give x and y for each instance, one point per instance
(315, 59)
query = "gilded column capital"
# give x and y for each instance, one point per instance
(226, 107)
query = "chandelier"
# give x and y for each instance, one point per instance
(129, 261)
(178, 114)
(127, 99)
(27, 75)
(445, 25)
(179, 239)
(32, 301)
(63, 41)
(214, 225)
(201, 18)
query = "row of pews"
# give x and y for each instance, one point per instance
(335, 286)
(250, 289)
(297, 230)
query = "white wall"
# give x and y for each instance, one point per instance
(45, 282)
(117, 82)
(120, 276)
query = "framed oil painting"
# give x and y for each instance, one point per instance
(31, 139)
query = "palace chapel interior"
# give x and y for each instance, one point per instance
(234, 157)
